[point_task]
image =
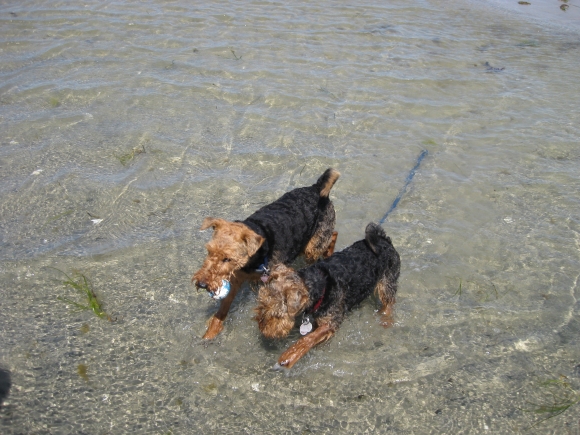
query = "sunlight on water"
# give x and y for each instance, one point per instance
(124, 125)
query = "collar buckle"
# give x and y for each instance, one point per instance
(264, 270)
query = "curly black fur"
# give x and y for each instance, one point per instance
(290, 222)
(345, 279)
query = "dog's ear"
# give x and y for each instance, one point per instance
(211, 222)
(295, 301)
(278, 270)
(252, 241)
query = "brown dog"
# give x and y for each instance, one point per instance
(300, 222)
(326, 291)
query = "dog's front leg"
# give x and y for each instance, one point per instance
(302, 346)
(215, 324)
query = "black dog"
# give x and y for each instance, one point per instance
(326, 290)
(300, 222)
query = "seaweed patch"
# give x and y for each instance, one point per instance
(81, 284)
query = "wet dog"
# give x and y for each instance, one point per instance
(300, 222)
(326, 290)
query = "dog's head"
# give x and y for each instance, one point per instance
(279, 302)
(230, 248)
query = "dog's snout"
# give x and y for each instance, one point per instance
(201, 284)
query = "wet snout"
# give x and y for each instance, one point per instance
(202, 281)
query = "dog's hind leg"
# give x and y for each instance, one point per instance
(302, 346)
(386, 289)
(215, 324)
(321, 245)
(330, 249)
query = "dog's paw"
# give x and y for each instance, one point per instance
(214, 327)
(280, 367)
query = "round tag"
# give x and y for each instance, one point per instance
(306, 327)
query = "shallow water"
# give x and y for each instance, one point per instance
(124, 125)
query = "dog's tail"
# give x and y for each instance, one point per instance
(326, 181)
(373, 234)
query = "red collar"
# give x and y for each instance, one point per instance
(319, 302)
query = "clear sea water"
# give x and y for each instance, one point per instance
(124, 124)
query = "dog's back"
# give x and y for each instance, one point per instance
(291, 220)
(354, 272)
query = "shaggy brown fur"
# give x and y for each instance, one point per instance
(300, 222)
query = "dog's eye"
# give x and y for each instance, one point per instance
(226, 260)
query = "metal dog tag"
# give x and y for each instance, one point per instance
(263, 269)
(306, 326)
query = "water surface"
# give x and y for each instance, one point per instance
(124, 125)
